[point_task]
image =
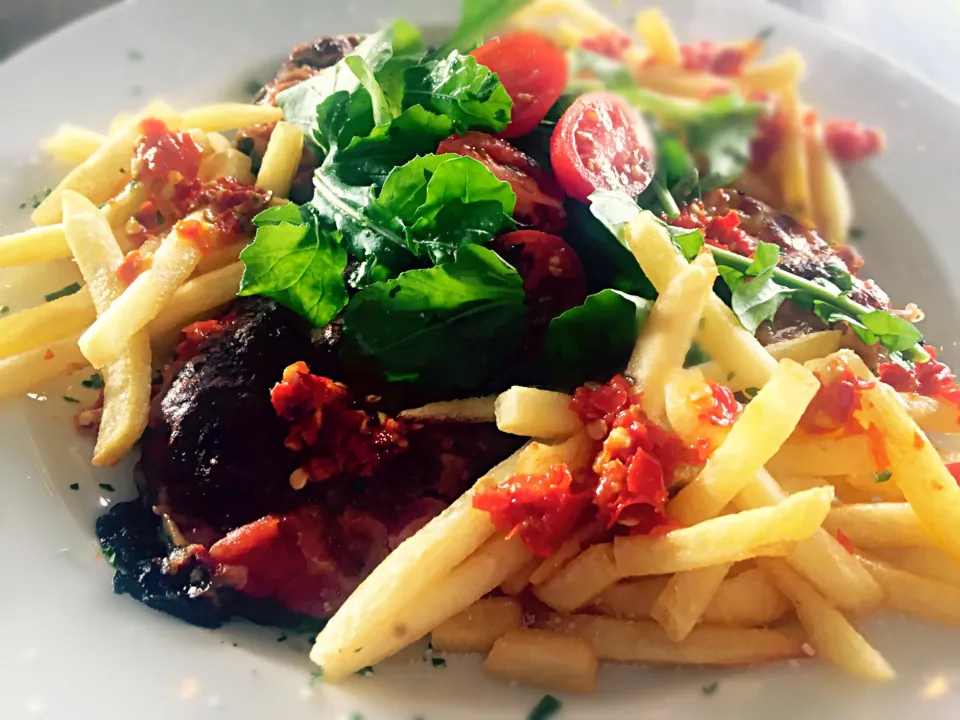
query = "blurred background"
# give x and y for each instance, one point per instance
(921, 35)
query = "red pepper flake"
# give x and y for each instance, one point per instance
(721, 231)
(611, 44)
(340, 438)
(542, 508)
(48, 355)
(720, 407)
(954, 469)
(850, 141)
(918, 441)
(878, 449)
(834, 406)
(193, 335)
(846, 542)
(937, 485)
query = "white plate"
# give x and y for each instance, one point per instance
(72, 649)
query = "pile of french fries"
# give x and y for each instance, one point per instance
(786, 540)
(803, 178)
(121, 330)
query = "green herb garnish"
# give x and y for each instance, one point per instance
(74, 486)
(62, 292)
(316, 676)
(38, 198)
(70, 399)
(710, 689)
(107, 486)
(134, 54)
(94, 382)
(438, 662)
(883, 476)
(4, 309)
(545, 709)
(368, 670)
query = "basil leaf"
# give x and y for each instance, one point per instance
(297, 260)
(594, 340)
(458, 87)
(452, 325)
(478, 18)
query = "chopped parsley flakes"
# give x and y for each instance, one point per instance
(134, 54)
(4, 309)
(711, 688)
(70, 399)
(316, 676)
(94, 382)
(546, 708)
(438, 662)
(108, 487)
(881, 477)
(368, 670)
(62, 292)
(74, 486)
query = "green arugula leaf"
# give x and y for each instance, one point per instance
(478, 18)
(452, 325)
(594, 340)
(876, 326)
(300, 102)
(458, 87)
(722, 138)
(379, 105)
(755, 294)
(297, 260)
(690, 242)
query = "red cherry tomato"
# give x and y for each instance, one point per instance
(601, 143)
(533, 71)
(553, 277)
(539, 197)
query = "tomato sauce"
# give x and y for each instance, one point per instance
(193, 335)
(134, 263)
(611, 44)
(627, 483)
(719, 408)
(722, 231)
(164, 156)
(931, 378)
(723, 60)
(846, 542)
(836, 403)
(341, 438)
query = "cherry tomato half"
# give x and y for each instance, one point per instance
(601, 143)
(539, 197)
(534, 73)
(553, 277)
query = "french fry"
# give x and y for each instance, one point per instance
(646, 642)
(469, 581)
(678, 82)
(281, 159)
(830, 633)
(668, 333)
(517, 583)
(173, 262)
(687, 595)
(581, 580)
(230, 116)
(721, 335)
(536, 413)
(73, 144)
(540, 657)
(631, 599)
(820, 456)
(932, 414)
(36, 245)
(916, 595)
(653, 26)
(126, 203)
(726, 539)
(917, 468)
(478, 627)
(748, 599)
(867, 485)
(820, 559)
(546, 15)
(576, 452)
(196, 298)
(873, 525)
(830, 198)
(792, 160)
(156, 108)
(930, 563)
(550, 566)
(45, 323)
(479, 409)
(755, 437)
(360, 631)
(25, 372)
(801, 349)
(97, 178)
(127, 378)
(219, 258)
(775, 75)
(684, 395)
(229, 163)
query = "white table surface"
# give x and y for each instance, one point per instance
(921, 35)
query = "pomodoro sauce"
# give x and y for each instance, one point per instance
(626, 486)
(931, 378)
